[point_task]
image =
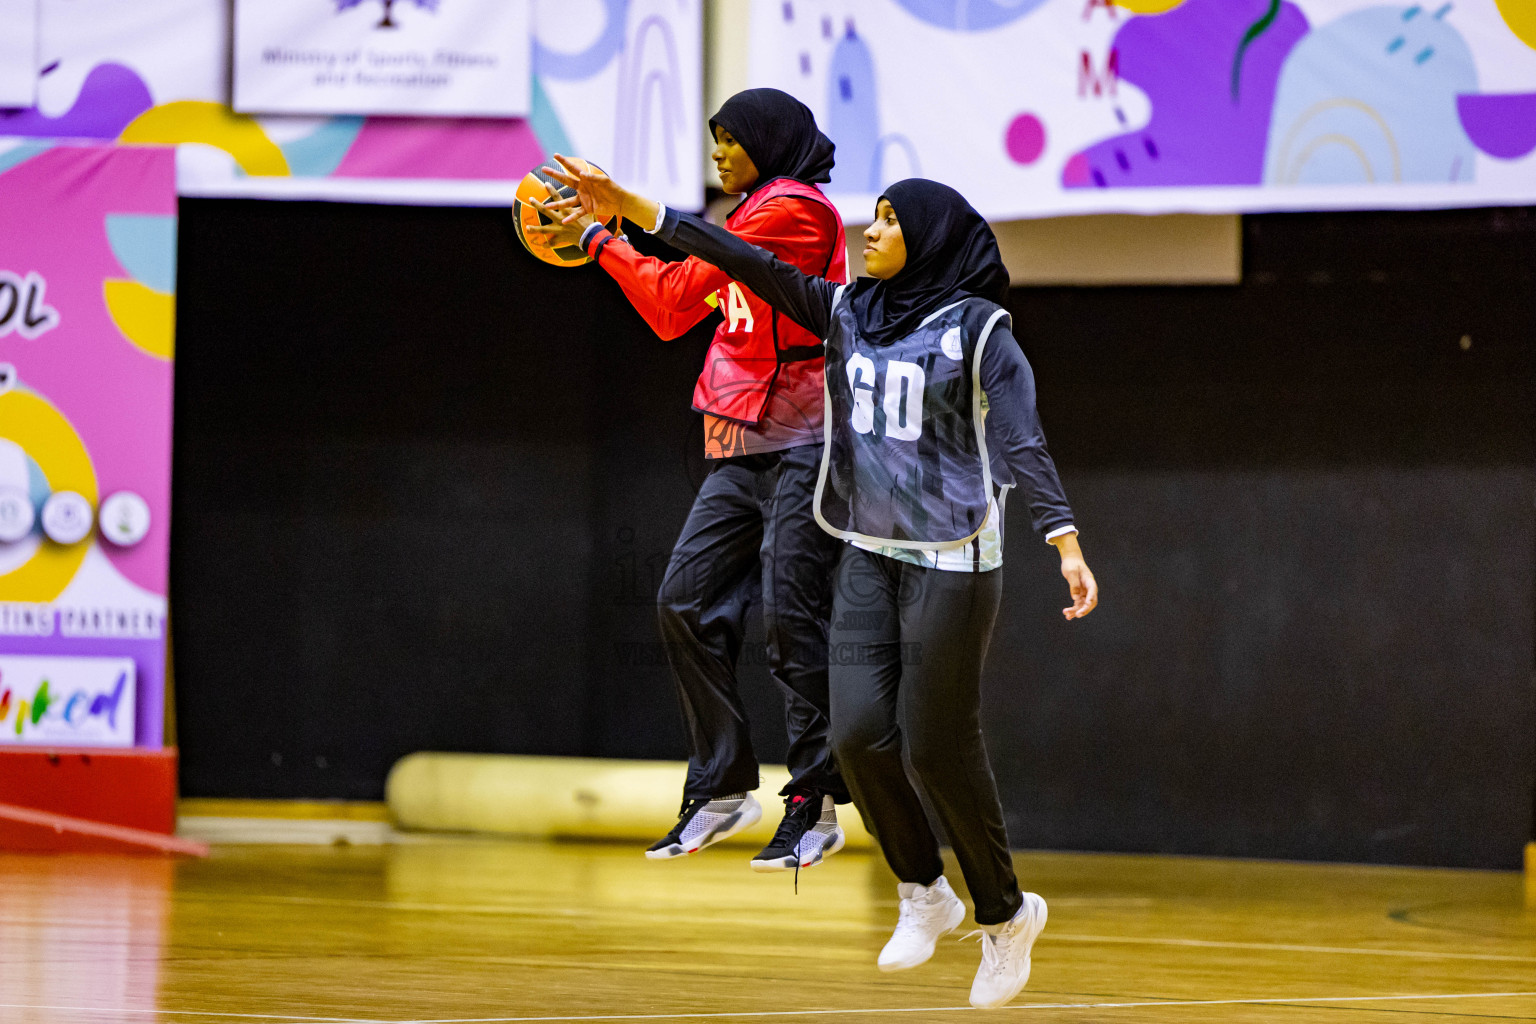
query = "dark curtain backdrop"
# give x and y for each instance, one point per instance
(425, 488)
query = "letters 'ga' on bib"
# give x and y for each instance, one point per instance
(755, 348)
(905, 462)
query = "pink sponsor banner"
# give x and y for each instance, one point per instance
(87, 311)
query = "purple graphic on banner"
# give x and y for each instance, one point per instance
(1500, 125)
(1199, 134)
(387, 22)
(109, 99)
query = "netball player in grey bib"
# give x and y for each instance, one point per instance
(930, 419)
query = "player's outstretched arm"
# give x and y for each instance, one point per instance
(1014, 435)
(598, 195)
(803, 298)
(669, 296)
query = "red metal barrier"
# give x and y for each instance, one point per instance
(89, 798)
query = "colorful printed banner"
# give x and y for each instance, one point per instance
(1040, 107)
(87, 276)
(18, 53)
(468, 58)
(73, 702)
(616, 81)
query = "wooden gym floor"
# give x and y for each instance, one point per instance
(484, 931)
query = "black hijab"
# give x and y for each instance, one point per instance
(951, 254)
(779, 133)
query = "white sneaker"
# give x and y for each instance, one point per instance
(1004, 966)
(702, 823)
(927, 912)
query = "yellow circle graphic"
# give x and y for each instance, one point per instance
(212, 124)
(1520, 16)
(46, 436)
(144, 316)
(1148, 6)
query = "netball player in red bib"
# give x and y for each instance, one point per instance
(751, 528)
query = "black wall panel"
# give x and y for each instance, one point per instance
(425, 488)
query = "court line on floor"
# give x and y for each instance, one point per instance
(747, 1014)
(1428, 954)
(584, 912)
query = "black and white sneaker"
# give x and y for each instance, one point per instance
(808, 835)
(701, 823)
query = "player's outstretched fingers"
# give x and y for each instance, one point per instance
(568, 209)
(581, 170)
(558, 175)
(554, 231)
(543, 228)
(572, 173)
(600, 195)
(574, 177)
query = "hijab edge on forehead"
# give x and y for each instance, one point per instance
(951, 254)
(779, 133)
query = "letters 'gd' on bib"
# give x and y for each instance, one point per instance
(906, 459)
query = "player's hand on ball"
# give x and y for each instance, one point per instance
(559, 231)
(556, 233)
(597, 193)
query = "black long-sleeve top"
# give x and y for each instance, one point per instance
(1015, 440)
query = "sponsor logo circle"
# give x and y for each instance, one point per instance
(950, 343)
(66, 517)
(16, 514)
(124, 519)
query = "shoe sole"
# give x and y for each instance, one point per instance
(956, 916)
(788, 863)
(745, 816)
(1037, 925)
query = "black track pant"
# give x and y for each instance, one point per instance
(751, 533)
(907, 645)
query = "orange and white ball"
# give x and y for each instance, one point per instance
(535, 185)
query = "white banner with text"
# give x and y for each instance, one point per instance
(619, 82)
(445, 58)
(18, 53)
